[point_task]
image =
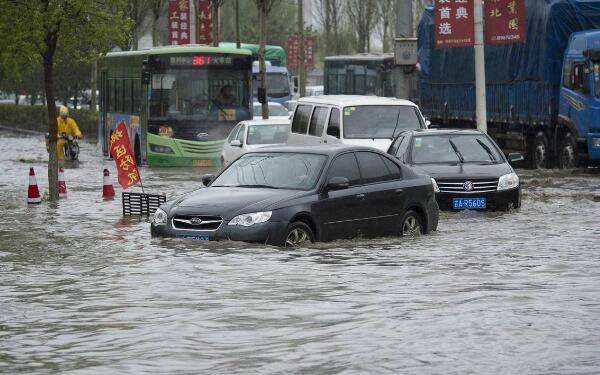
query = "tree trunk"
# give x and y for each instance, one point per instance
(261, 58)
(93, 84)
(48, 58)
(214, 9)
(301, 67)
(237, 24)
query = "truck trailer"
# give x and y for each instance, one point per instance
(543, 95)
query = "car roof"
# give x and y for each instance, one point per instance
(278, 120)
(354, 100)
(331, 150)
(441, 132)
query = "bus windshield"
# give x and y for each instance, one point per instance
(199, 103)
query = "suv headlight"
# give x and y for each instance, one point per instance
(247, 220)
(159, 217)
(436, 188)
(508, 181)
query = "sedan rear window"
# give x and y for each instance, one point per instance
(267, 134)
(275, 170)
(454, 149)
(379, 121)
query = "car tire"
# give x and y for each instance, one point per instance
(567, 157)
(298, 234)
(411, 224)
(539, 152)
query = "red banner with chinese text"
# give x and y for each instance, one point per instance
(120, 150)
(204, 22)
(454, 23)
(179, 22)
(505, 21)
(293, 49)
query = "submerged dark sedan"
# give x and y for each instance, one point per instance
(290, 195)
(470, 170)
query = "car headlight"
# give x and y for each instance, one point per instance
(161, 149)
(508, 181)
(247, 220)
(159, 217)
(435, 185)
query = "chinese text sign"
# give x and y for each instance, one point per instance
(120, 150)
(505, 21)
(179, 22)
(454, 23)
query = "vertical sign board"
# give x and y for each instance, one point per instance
(120, 150)
(179, 22)
(505, 21)
(293, 52)
(204, 23)
(454, 23)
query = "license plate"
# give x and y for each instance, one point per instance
(469, 203)
(202, 163)
(200, 237)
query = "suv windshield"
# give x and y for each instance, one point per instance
(454, 149)
(379, 121)
(275, 170)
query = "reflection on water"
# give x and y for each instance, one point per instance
(84, 290)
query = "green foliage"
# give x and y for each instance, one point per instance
(36, 118)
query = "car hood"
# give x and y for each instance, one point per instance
(464, 171)
(229, 201)
(381, 144)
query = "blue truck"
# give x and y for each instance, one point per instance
(543, 96)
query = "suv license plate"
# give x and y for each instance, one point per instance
(469, 203)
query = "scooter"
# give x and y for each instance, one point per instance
(70, 148)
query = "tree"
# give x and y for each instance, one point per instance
(136, 10)
(215, 5)
(158, 8)
(386, 25)
(81, 28)
(361, 13)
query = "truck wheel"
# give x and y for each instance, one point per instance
(567, 158)
(539, 155)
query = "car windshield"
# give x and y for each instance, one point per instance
(454, 149)
(274, 110)
(276, 170)
(267, 134)
(379, 121)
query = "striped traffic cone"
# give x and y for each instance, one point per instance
(62, 185)
(33, 193)
(108, 192)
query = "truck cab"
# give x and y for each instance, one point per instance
(279, 88)
(579, 107)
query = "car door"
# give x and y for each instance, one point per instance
(340, 213)
(384, 196)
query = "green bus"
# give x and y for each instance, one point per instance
(361, 74)
(179, 103)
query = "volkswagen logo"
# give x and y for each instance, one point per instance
(196, 221)
(468, 186)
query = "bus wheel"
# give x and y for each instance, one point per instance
(539, 152)
(567, 158)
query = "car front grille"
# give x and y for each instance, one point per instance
(196, 222)
(458, 186)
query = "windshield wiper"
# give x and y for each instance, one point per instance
(460, 157)
(487, 149)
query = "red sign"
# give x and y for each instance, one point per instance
(505, 21)
(204, 22)
(454, 23)
(294, 52)
(120, 150)
(179, 22)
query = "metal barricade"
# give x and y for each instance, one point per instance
(140, 204)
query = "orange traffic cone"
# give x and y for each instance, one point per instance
(33, 193)
(108, 192)
(62, 185)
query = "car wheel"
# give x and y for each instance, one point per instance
(298, 234)
(539, 155)
(411, 224)
(568, 152)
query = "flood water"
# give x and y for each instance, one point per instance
(85, 291)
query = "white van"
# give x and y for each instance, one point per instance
(353, 119)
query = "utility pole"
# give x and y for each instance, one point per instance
(301, 68)
(480, 98)
(404, 29)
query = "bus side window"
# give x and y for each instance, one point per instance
(333, 128)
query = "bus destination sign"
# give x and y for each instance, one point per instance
(201, 60)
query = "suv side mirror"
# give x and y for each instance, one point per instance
(207, 179)
(338, 183)
(236, 143)
(514, 157)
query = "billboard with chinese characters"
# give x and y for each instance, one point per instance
(505, 21)
(179, 22)
(204, 23)
(293, 52)
(454, 23)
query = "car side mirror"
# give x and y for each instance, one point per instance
(236, 143)
(338, 183)
(514, 157)
(427, 123)
(207, 179)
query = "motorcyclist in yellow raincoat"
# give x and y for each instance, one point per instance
(68, 126)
